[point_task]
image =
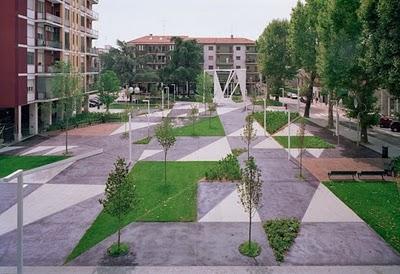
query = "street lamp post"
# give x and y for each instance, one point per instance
(265, 115)
(167, 97)
(130, 137)
(298, 96)
(288, 135)
(20, 218)
(162, 96)
(148, 117)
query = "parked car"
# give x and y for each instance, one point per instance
(385, 122)
(303, 100)
(94, 102)
(395, 126)
(293, 96)
(289, 95)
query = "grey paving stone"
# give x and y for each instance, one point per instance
(8, 194)
(209, 194)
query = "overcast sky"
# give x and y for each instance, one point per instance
(129, 19)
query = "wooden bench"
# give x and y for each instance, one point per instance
(372, 173)
(351, 173)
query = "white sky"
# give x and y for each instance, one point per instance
(129, 19)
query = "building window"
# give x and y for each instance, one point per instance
(210, 58)
(210, 67)
(210, 47)
(239, 48)
(30, 58)
(238, 67)
(237, 57)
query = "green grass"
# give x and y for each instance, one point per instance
(135, 106)
(281, 235)
(377, 203)
(157, 202)
(269, 102)
(202, 128)
(114, 251)
(250, 250)
(275, 119)
(309, 142)
(11, 163)
(143, 141)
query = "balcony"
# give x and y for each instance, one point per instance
(44, 89)
(48, 44)
(53, 18)
(82, 28)
(95, 1)
(46, 69)
(92, 51)
(94, 15)
(93, 33)
(91, 69)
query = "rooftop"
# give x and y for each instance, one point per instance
(166, 39)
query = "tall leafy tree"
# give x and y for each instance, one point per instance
(184, 65)
(274, 55)
(119, 198)
(303, 37)
(205, 88)
(108, 86)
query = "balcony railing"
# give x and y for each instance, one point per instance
(82, 28)
(95, 1)
(92, 69)
(46, 69)
(92, 32)
(94, 15)
(53, 18)
(49, 43)
(91, 50)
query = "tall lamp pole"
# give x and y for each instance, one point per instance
(20, 218)
(130, 138)
(265, 115)
(148, 117)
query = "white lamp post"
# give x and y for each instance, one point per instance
(265, 115)
(148, 116)
(298, 96)
(288, 135)
(20, 218)
(162, 96)
(167, 97)
(130, 138)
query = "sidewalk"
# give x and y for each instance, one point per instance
(205, 270)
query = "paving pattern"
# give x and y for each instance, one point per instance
(63, 202)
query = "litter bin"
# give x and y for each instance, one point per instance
(385, 152)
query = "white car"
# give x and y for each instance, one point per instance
(293, 95)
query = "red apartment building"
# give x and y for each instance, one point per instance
(35, 34)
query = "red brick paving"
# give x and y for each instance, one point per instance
(96, 130)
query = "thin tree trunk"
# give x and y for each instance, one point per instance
(119, 232)
(309, 95)
(66, 138)
(364, 133)
(330, 114)
(165, 167)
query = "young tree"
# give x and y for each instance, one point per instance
(303, 37)
(193, 115)
(274, 56)
(108, 86)
(212, 107)
(67, 86)
(249, 133)
(119, 197)
(250, 191)
(302, 148)
(166, 138)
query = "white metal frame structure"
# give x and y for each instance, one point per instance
(237, 78)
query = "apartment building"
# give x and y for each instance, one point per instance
(34, 35)
(218, 53)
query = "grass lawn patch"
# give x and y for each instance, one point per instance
(250, 250)
(269, 103)
(275, 119)
(377, 203)
(143, 141)
(309, 142)
(11, 163)
(202, 128)
(281, 235)
(174, 202)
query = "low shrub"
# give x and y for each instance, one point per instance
(281, 235)
(270, 102)
(250, 250)
(88, 118)
(226, 169)
(114, 251)
(143, 141)
(238, 151)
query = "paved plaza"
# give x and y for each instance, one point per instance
(61, 203)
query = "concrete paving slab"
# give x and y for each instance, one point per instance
(268, 143)
(148, 153)
(8, 149)
(340, 244)
(134, 126)
(258, 130)
(37, 150)
(326, 207)
(47, 200)
(213, 152)
(294, 130)
(9, 194)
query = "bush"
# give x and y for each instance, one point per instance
(226, 169)
(281, 235)
(114, 251)
(252, 250)
(88, 118)
(143, 141)
(238, 151)
(270, 102)
(275, 119)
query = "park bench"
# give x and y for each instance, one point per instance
(372, 173)
(342, 173)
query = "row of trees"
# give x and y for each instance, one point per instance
(132, 68)
(353, 46)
